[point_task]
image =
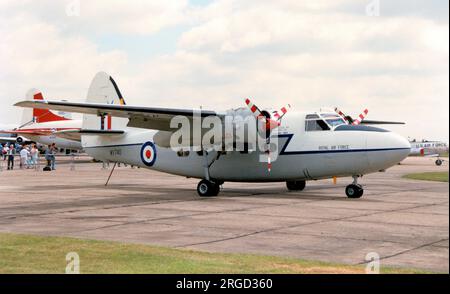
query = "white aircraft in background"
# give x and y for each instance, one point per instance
(40, 126)
(313, 145)
(6, 138)
(429, 149)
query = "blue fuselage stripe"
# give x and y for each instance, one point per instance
(283, 152)
(340, 151)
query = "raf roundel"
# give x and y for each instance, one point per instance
(148, 154)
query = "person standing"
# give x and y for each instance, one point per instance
(24, 154)
(34, 153)
(48, 155)
(11, 152)
(5, 151)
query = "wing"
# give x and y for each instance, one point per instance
(138, 116)
(75, 135)
(380, 122)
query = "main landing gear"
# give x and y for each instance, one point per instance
(354, 190)
(438, 162)
(208, 188)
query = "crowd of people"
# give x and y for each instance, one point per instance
(28, 154)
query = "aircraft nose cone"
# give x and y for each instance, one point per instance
(402, 144)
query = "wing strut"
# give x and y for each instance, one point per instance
(110, 174)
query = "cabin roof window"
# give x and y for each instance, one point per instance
(312, 116)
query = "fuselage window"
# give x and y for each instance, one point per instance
(182, 153)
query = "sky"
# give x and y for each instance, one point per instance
(390, 56)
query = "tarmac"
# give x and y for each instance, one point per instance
(406, 222)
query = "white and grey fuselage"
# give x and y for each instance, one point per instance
(305, 152)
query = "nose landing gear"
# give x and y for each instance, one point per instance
(295, 185)
(354, 190)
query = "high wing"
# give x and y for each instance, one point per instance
(380, 122)
(139, 117)
(75, 135)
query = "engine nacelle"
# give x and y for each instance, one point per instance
(238, 129)
(20, 140)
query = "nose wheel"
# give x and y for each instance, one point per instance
(354, 190)
(208, 188)
(295, 185)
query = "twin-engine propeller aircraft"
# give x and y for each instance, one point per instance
(297, 146)
(41, 125)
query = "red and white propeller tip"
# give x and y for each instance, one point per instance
(356, 121)
(269, 123)
(361, 117)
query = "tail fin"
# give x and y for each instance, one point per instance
(44, 115)
(103, 89)
(38, 115)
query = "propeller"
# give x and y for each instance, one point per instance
(349, 120)
(361, 117)
(267, 123)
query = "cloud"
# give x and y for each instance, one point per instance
(139, 17)
(34, 53)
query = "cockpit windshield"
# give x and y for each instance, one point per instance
(323, 121)
(332, 119)
(334, 122)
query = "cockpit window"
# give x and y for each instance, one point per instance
(335, 122)
(316, 125)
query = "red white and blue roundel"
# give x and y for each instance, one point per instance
(148, 153)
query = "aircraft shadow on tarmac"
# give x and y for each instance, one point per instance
(155, 193)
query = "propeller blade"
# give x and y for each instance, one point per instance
(360, 118)
(280, 113)
(253, 108)
(338, 111)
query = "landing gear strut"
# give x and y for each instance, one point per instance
(207, 187)
(354, 190)
(295, 185)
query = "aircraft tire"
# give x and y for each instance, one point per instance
(207, 188)
(354, 191)
(438, 162)
(296, 185)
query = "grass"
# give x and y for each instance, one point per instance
(429, 176)
(39, 254)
